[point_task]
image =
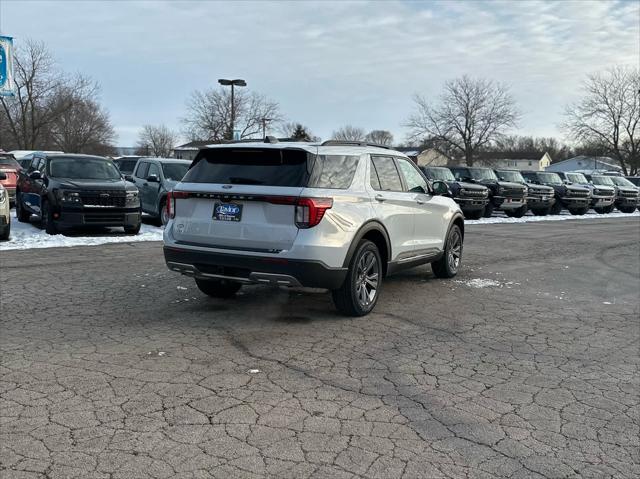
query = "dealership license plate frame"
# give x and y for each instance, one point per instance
(226, 214)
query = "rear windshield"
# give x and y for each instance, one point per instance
(250, 166)
(83, 168)
(126, 165)
(174, 171)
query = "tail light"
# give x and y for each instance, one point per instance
(171, 202)
(310, 211)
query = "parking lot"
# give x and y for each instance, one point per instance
(525, 365)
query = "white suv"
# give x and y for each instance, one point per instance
(335, 215)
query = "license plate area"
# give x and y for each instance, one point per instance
(227, 212)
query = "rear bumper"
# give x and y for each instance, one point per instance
(253, 269)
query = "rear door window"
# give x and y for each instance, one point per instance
(333, 171)
(250, 166)
(388, 175)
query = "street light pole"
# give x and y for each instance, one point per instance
(232, 83)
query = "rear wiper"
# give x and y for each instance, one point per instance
(238, 180)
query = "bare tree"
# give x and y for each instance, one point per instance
(470, 114)
(349, 133)
(297, 131)
(381, 137)
(82, 124)
(29, 114)
(209, 114)
(156, 141)
(608, 115)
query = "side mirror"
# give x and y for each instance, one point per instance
(128, 178)
(153, 179)
(35, 175)
(3, 176)
(440, 188)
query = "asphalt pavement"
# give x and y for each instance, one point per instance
(525, 365)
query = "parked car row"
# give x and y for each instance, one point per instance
(481, 191)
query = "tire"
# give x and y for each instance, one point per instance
(449, 264)
(218, 288)
(556, 208)
(21, 214)
(474, 215)
(163, 219)
(609, 209)
(600, 211)
(46, 222)
(359, 293)
(579, 211)
(520, 212)
(5, 233)
(541, 211)
(133, 230)
(627, 209)
(488, 210)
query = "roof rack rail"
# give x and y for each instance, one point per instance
(353, 143)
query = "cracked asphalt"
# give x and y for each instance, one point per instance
(114, 367)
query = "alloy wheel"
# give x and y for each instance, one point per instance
(454, 250)
(367, 278)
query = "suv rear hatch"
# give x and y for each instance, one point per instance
(241, 198)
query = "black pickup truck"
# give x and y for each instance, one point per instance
(503, 195)
(471, 197)
(67, 191)
(574, 198)
(540, 198)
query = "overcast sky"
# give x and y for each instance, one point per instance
(329, 63)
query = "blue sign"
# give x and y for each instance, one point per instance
(7, 86)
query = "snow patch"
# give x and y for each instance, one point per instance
(480, 283)
(562, 217)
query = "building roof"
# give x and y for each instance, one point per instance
(602, 160)
(193, 145)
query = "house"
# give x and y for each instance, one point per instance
(188, 151)
(533, 163)
(432, 157)
(584, 162)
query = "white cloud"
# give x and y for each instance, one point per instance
(330, 63)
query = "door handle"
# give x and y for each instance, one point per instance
(380, 198)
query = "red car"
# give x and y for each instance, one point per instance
(10, 167)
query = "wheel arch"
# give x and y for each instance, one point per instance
(375, 232)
